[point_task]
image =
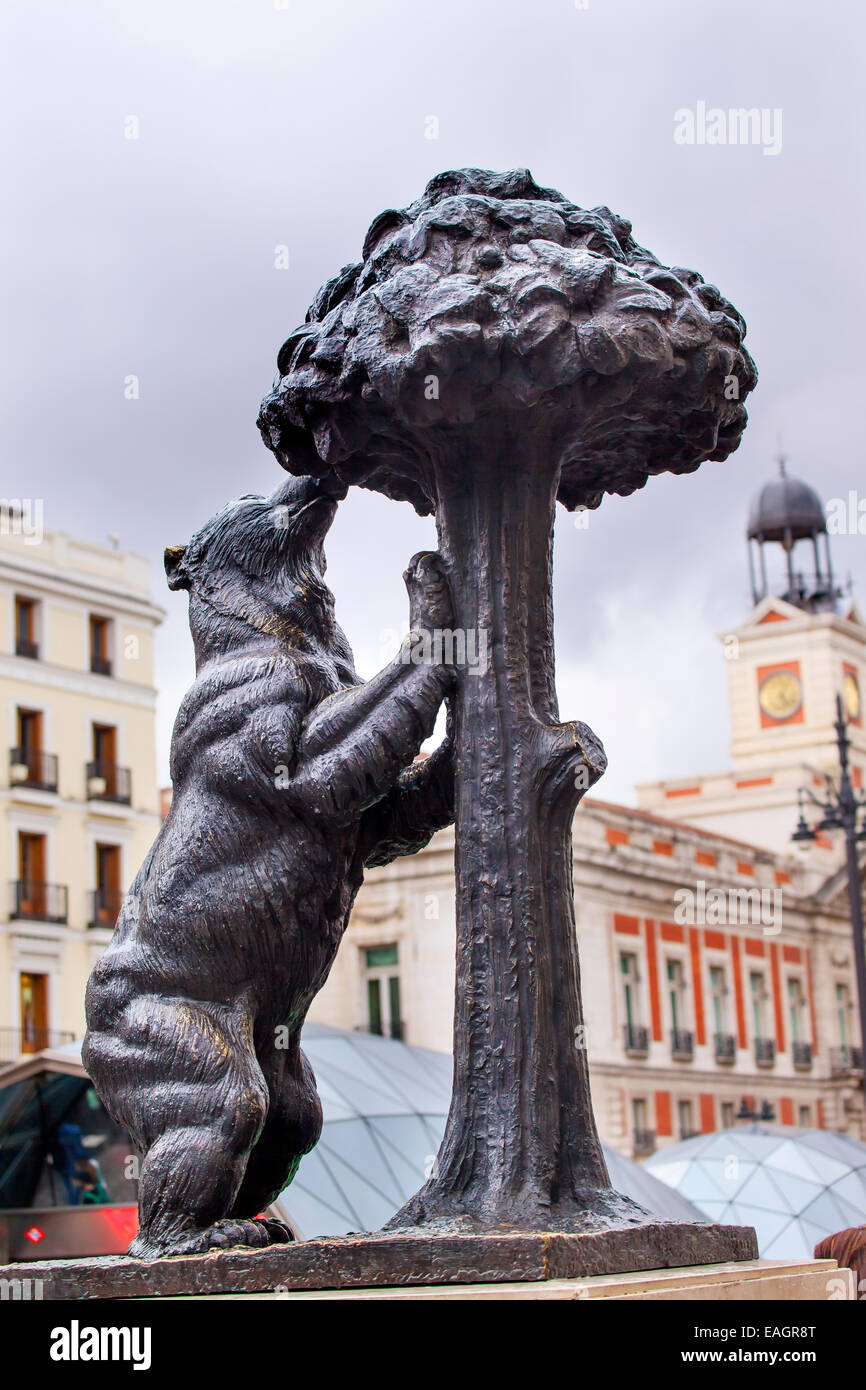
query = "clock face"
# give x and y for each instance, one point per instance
(780, 695)
(851, 695)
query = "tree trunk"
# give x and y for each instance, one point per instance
(520, 1146)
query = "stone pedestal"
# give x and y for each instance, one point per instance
(749, 1281)
(384, 1261)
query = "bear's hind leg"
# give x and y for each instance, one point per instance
(292, 1128)
(188, 1180)
(195, 1103)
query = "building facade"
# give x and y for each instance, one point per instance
(717, 964)
(78, 787)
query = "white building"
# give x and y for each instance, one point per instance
(78, 792)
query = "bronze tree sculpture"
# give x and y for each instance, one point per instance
(497, 349)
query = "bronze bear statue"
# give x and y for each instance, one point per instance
(290, 776)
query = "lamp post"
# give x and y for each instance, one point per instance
(843, 810)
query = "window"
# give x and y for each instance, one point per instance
(804, 1117)
(25, 628)
(628, 971)
(33, 898)
(676, 994)
(727, 1114)
(29, 722)
(718, 997)
(108, 897)
(31, 875)
(100, 659)
(635, 1034)
(105, 780)
(796, 1000)
(643, 1138)
(685, 1111)
(29, 764)
(383, 991)
(33, 994)
(105, 745)
(758, 996)
(843, 1006)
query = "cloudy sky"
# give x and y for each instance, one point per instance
(264, 124)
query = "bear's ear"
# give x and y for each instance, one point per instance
(175, 572)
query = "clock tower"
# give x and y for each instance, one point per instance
(798, 647)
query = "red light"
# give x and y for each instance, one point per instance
(34, 1234)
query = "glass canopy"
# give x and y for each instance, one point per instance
(385, 1106)
(795, 1186)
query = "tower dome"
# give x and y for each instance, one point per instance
(787, 511)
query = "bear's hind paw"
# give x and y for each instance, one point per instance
(228, 1234)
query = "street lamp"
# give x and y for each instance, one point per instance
(843, 810)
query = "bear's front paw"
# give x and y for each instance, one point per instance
(429, 595)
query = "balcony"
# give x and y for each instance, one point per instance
(844, 1060)
(725, 1045)
(643, 1143)
(765, 1052)
(636, 1038)
(100, 665)
(20, 1042)
(682, 1045)
(105, 905)
(108, 782)
(801, 1052)
(24, 647)
(30, 767)
(34, 901)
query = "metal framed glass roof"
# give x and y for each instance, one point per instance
(795, 1186)
(385, 1106)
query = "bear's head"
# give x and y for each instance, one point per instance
(255, 574)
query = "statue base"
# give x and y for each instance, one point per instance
(388, 1260)
(746, 1281)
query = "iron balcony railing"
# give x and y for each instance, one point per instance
(33, 900)
(643, 1142)
(105, 905)
(18, 1042)
(636, 1037)
(682, 1044)
(30, 767)
(108, 782)
(765, 1052)
(802, 1054)
(23, 647)
(100, 665)
(725, 1047)
(845, 1059)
